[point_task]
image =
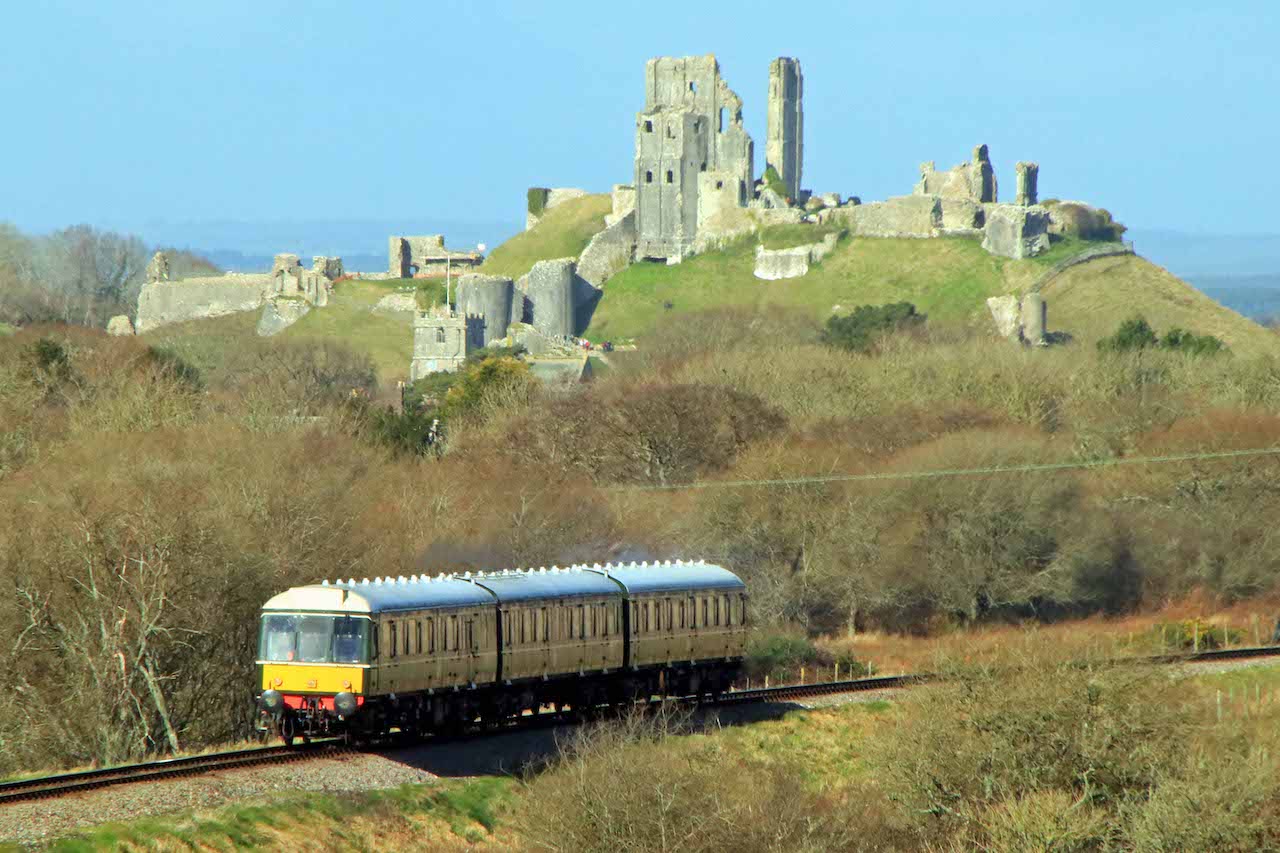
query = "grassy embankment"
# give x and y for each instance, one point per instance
(562, 232)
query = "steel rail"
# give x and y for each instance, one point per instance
(40, 787)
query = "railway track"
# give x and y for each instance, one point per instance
(66, 783)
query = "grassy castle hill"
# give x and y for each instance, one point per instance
(948, 279)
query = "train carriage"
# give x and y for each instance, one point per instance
(424, 653)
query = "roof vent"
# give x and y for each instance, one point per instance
(324, 583)
(365, 581)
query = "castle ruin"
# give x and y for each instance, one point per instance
(784, 145)
(692, 153)
(427, 257)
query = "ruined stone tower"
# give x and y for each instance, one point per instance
(1026, 193)
(690, 129)
(982, 177)
(784, 143)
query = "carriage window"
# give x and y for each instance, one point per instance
(391, 626)
(715, 607)
(406, 638)
(469, 636)
(595, 630)
(657, 615)
(546, 631)
(582, 621)
(706, 607)
(683, 617)
(431, 634)
(635, 618)
(743, 609)
(453, 633)
(670, 622)
(418, 626)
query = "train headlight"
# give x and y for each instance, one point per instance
(345, 704)
(271, 701)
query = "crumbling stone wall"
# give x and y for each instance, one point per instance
(609, 252)
(1023, 319)
(158, 267)
(691, 124)
(777, 264)
(784, 142)
(427, 257)
(975, 180)
(1017, 232)
(330, 268)
(163, 302)
(623, 197)
(913, 216)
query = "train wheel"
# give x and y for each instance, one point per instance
(287, 730)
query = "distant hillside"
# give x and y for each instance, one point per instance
(1255, 296)
(562, 232)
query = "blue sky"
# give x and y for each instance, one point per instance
(131, 115)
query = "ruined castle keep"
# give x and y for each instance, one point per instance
(784, 145)
(692, 153)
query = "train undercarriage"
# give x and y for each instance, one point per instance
(363, 719)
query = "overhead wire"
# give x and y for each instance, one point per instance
(953, 472)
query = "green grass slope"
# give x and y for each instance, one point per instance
(1091, 300)
(949, 279)
(562, 232)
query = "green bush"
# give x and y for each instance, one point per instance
(778, 655)
(860, 330)
(1136, 334)
(1180, 340)
(537, 200)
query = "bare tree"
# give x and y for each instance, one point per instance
(91, 274)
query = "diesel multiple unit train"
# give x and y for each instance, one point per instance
(423, 654)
